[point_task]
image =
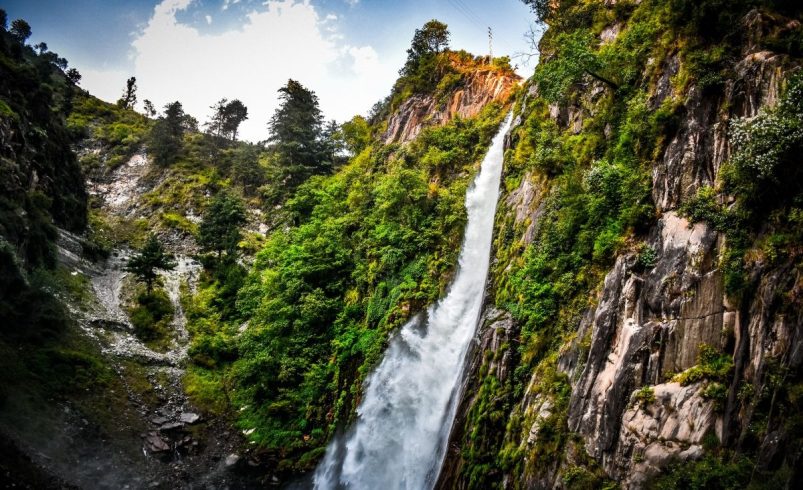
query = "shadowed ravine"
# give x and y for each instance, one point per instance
(404, 419)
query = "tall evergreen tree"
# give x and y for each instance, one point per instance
(296, 133)
(129, 98)
(151, 258)
(220, 228)
(166, 138)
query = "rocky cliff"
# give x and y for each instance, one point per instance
(476, 84)
(685, 344)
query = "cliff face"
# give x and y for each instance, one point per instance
(626, 391)
(478, 86)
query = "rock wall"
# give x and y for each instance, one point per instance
(647, 324)
(479, 88)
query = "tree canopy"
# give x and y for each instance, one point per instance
(226, 118)
(166, 138)
(151, 258)
(20, 30)
(296, 131)
(129, 98)
(220, 227)
(428, 41)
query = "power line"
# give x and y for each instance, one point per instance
(474, 19)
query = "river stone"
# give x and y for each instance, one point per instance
(189, 417)
(232, 459)
(171, 426)
(156, 444)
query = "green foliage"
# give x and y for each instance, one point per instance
(151, 258)
(165, 142)
(226, 119)
(705, 206)
(151, 318)
(575, 57)
(296, 129)
(356, 134)
(711, 365)
(129, 98)
(206, 390)
(644, 396)
(371, 245)
(118, 133)
(427, 42)
(220, 227)
(64, 369)
(763, 170)
(710, 473)
(647, 257)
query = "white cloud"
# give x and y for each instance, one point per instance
(227, 3)
(281, 39)
(208, 19)
(105, 84)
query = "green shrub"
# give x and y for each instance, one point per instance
(705, 206)
(647, 257)
(711, 365)
(710, 473)
(151, 317)
(644, 396)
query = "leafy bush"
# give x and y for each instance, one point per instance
(151, 317)
(644, 396)
(705, 206)
(711, 365)
(710, 473)
(647, 257)
(763, 170)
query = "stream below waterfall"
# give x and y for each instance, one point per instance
(403, 423)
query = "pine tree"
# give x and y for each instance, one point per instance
(220, 228)
(151, 258)
(129, 98)
(296, 134)
(167, 135)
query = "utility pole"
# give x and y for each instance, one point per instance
(490, 44)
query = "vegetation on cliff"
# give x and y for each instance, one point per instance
(595, 124)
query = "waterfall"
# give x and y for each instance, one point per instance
(403, 422)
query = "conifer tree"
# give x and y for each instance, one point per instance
(296, 128)
(151, 258)
(129, 98)
(167, 135)
(220, 228)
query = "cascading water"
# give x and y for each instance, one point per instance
(405, 416)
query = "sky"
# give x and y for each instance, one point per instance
(198, 51)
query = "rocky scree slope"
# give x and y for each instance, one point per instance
(643, 324)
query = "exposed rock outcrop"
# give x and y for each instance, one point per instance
(648, 323)
(479, 87)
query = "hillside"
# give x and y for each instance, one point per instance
(176, 374)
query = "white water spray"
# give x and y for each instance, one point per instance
(404, 420)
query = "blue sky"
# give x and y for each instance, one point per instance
(198, 51)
